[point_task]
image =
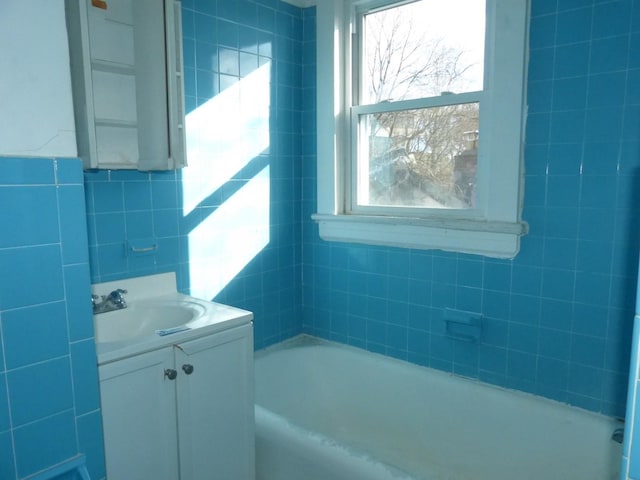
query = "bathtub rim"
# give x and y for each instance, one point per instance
(304, 340)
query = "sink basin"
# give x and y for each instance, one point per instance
(144, 318)
(154, 304)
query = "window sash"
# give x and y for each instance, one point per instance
(356, 110)
(358, 10)
(443, 100)
(350, 184)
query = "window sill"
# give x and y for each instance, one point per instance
(490, 238)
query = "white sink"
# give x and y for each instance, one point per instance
(154, 306)
(146, 317)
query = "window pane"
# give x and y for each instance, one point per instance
(422, 49)
(419, 158)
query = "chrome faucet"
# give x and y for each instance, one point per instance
(107, 303)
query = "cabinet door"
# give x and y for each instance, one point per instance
(128, 83)
(215, 406)
(139, 417)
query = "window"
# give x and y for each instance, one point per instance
(421, 145)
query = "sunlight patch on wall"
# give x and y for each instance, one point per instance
(224, 135)
(228, 239)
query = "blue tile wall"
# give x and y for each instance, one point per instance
(225, 42)
(48, 373)
(557, 318)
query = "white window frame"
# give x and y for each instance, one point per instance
(495, 226)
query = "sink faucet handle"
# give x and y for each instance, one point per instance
(117, 297)
(95, 298)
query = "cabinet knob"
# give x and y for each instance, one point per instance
(188, 368)
(170, 373)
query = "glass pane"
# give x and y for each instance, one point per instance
(423, 49)
(419, 158)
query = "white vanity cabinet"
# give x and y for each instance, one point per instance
(127, 81)
(215, 405)
(139, 417)
(184, 411)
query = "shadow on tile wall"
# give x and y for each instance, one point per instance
(229, 223)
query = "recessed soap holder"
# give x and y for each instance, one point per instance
(463, 326)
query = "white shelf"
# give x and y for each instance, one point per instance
(112, 67)
(126, 68)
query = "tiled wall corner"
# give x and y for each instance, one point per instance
(48, 373)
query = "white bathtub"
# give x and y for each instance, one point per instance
(325, 411)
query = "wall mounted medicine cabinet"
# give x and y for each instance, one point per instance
(126, 72)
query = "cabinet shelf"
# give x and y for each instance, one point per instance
(110, 67)
(126, 70)
(107, 122)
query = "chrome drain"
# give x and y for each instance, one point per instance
(618, 435)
